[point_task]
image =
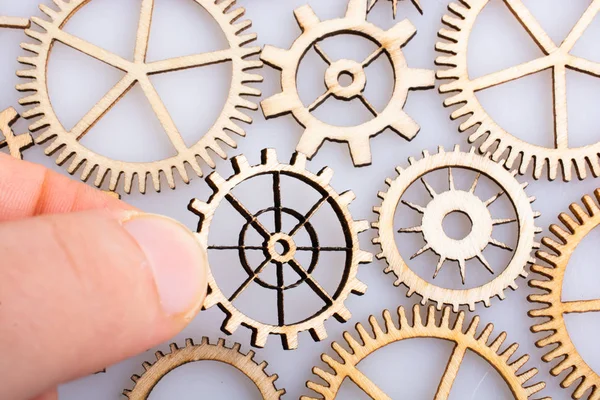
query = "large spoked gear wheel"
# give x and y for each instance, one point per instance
(138, 72)
(556, 256)
(204, 351)
(463, 89)
(389, 42)
(470, 247)
(285, 260)
(398, 329)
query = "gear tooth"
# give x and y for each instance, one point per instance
(146, 366)
(486, 333)
(215, 180)
(319, 333)
(594, 164)
(189, 342)
(290, 340)
(357, 10)
(497, 343)
(518, 364)
(510, 350)
(417, 321)
(259, 337)
(359, 287)
(299, 161)
(360, 150)
(306, 17)
(159, 354)
(401, 33)
(361, 226)
(231, 324)
(402, 319)
(240, 163)
(278, 105)
(199, 207)
(430, 315)
(399, 170)
(135, 378)
(343, 314)
(221, 342)
(473, 326)
(346, 198)
(127, 393)
(210, 301)
(377, 210)
(325, 176)
(412, 160)
(236, 14)
(310, 142)
(525, 376)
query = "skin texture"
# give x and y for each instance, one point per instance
(78, 267)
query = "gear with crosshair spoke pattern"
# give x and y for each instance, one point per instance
(492, 137)
(389, 42)
(67, 142)
(560, 248)
(165, 363)
(436, 240)
(434, 328)
(15, 143)
(285, 258)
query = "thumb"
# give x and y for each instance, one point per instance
(81, 291)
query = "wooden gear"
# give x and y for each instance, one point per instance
(286, 260)
(556, 258)
(354, 23)
(205, 351)
(67, 143)
(416, 3)
(446, 248)
(432, 327)
(15, 143)
(521, 154)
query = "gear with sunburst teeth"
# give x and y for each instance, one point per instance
(66, 143)
(416, 3)
(447, 248)
(358, 137)
(15, 143)
(516, 153)
(399, 328)
(165, 363)
(285, 258)
(556, 255)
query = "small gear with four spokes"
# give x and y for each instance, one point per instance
(398, 329)
(204, 351)
(67, 143)
(389, 42)
(15, 143)
(559, 251)
(463, 89)
(447, 248)
(285, 259)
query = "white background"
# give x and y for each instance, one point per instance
(406, 370)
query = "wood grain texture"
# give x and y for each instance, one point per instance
(553, 262)
(286, 258)
(516, 153)
(446, 326)
(66, 143)
(389, 42)
(16, 144)
(466, 201)
(416, 3)
(14, 22)
(204, 351)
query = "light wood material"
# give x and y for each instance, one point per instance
(399, 328)
(416, 3)
(204, 351)
(16, 144)
(464, 200)
(286, 260)
(389, 42)
(554, 262)
(14, 22)
(516, 153)
(138, 72)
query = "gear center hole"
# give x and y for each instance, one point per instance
(345, 78)
(457, 225)
(282, 247)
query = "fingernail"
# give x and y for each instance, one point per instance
(177, 260)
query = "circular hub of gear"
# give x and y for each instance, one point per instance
(447, 248)
(354, 23)
(138, 72)
(398, 329)
(286, 257)
(495, 139)
(559, 250)
(204, 351)
(15, 143)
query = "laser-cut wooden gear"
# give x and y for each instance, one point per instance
(334, 303)
(67, 143)
(16, 144)
(354, 23)
(446, 248)
(416, 3)
(556, 256)
(398, 329)
(204, 351)
(492, 137)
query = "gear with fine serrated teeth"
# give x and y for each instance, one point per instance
(67, 143)
(436, 240)
(556, 256)
(399, 329)
(517, 153)
(204, 351)
(389, 42)
(15, 143)
(285, 259)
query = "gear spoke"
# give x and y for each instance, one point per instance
(561, 127)
(322, 54)
(306, 248)
(314, 285)
(365, 384)
(475, 182)
(277, 200)
(239, 207)
(583, 23)
(584, 66)
(492, 199)
(499, 244)
(143, 32)
(415, 207)
(511, 74)
(309, 214)
(368, 105)
(451, 180)
(581, 306)
(187, 62)
(280, 295)
(103, 106)
(430, 190)
(533, 27)
(236, 248)
(456, 359)
(372, 57)
(250, 279)
(320, 100)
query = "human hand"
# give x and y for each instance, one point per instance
(85, 280)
